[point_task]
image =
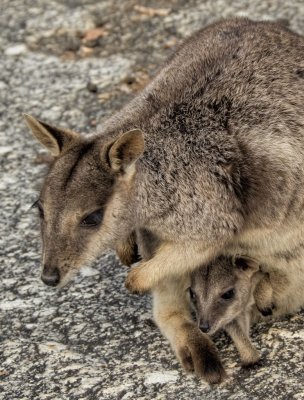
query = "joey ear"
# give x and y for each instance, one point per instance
(246, 264)
(53, 138)
(126, 150)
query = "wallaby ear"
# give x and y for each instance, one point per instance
(246, 264)
(126, 150)
(53, 138)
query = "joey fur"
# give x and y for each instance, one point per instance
(226, 294)
(208, 159)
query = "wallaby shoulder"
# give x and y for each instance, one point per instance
(218, 102)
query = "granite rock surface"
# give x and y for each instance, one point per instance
(73, 63)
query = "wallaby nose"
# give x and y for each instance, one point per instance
(204, 326)
(50, 277)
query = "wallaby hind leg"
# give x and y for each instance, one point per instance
(263, 295)
(194, 350)
(248, 353)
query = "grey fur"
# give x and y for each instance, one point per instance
(250, 290)
(222, 171)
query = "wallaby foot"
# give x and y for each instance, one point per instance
(194, 349)
(248, 353)
(198, 354)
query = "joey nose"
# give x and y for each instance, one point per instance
(50, 277)
(205, 327)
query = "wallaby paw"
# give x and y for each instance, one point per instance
(135, 283)
(198, 355)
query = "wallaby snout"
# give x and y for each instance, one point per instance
(50, 276)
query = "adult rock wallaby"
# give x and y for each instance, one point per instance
(207, 160)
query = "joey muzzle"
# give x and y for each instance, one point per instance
(204, 326)
(50, 276)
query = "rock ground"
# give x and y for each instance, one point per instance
(73, 63)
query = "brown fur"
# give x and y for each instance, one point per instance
(223, 129)
(241, 279)
(127, 250)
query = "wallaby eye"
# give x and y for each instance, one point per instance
(228, 295)
(93, 219)
(38, 205)
(41, 212)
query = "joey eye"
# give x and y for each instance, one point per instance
(192, 295)
(93, 219)
(228, 295)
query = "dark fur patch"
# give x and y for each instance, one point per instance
(200, 355)
(292, 254)
(300, 73)
(241, 263)
(55, 133)
(213, 369)
(186, 359)
(136, 257)
(82, 153)
(148, 243)
(266, 311)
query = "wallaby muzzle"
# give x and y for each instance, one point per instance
(50, 276)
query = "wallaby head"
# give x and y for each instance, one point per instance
(222, 290)
(84, 203)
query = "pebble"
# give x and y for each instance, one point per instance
(15, 50)
(161, 377)
(92, 87)
(5, 150)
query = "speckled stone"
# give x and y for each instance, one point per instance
(93, 340)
